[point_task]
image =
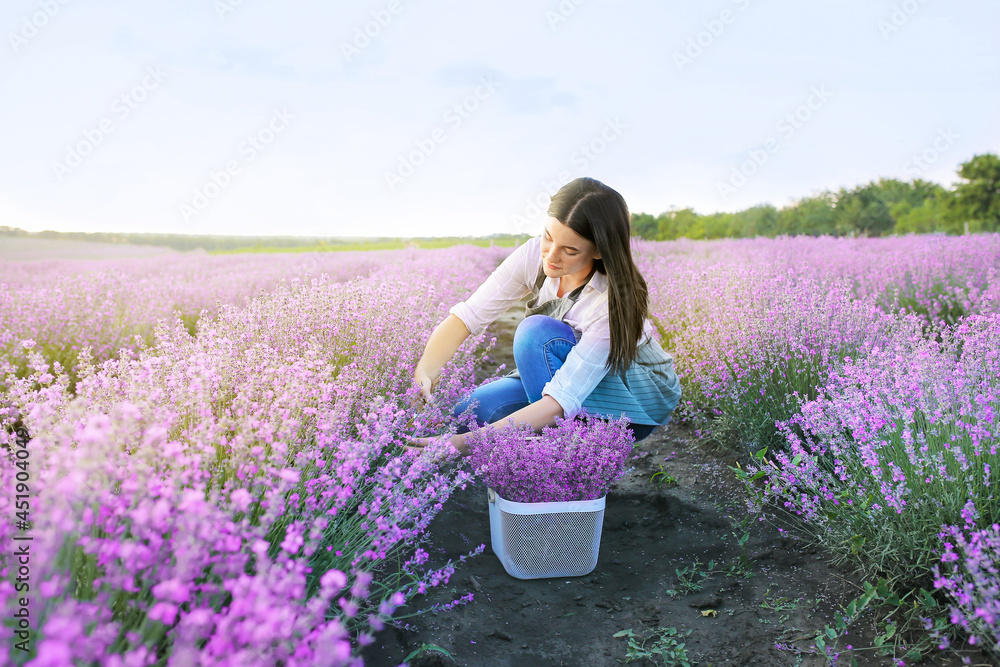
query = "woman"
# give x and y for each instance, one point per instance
(585, 342)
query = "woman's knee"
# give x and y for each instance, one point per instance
(490, 399)
(540, 328)
(535, 331)
(462, 410)
(461, 407)
(485, 414)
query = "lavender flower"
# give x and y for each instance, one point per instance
(577, 459)
(970, 574)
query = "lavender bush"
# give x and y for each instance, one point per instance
(901, 443)
(238, 496)
(757, 325)
(866, 369)
(577, 459)
(970, 574)
(751, 342)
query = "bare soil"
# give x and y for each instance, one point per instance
(789, 592)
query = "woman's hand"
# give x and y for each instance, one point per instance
(457, 443)
(441, 346)
(417, 444)
(426, 385)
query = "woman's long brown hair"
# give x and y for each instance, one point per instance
(600, 215)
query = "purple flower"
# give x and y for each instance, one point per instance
(577, 459)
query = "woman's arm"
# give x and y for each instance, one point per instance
(502, 289)
(441, 346)
(539, 414)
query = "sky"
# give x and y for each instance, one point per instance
(406, 118)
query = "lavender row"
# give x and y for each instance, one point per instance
(937, 277)
(112, 305)
(864, 376)
(238, 496)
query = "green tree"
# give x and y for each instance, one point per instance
(762, 219)
(977, 197)
(880, 207)
(868, 209)
(933, 214)
(682, 223)
(813, 216)
(921, 191)
(863, 211)
(644, 226)
(716, 225)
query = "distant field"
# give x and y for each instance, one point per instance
(115, 244)
(384, 244)
(25, 249)
(30, 249)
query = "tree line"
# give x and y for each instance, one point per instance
(881, 207)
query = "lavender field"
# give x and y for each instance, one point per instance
(203, 452)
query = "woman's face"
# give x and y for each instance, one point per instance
(566, 253)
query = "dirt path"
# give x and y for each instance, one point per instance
(651, 530)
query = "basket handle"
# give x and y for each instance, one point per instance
(492, 495)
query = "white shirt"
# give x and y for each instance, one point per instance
(585, 365)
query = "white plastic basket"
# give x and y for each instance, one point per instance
(541, 540)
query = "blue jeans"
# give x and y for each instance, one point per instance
(541, 344)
